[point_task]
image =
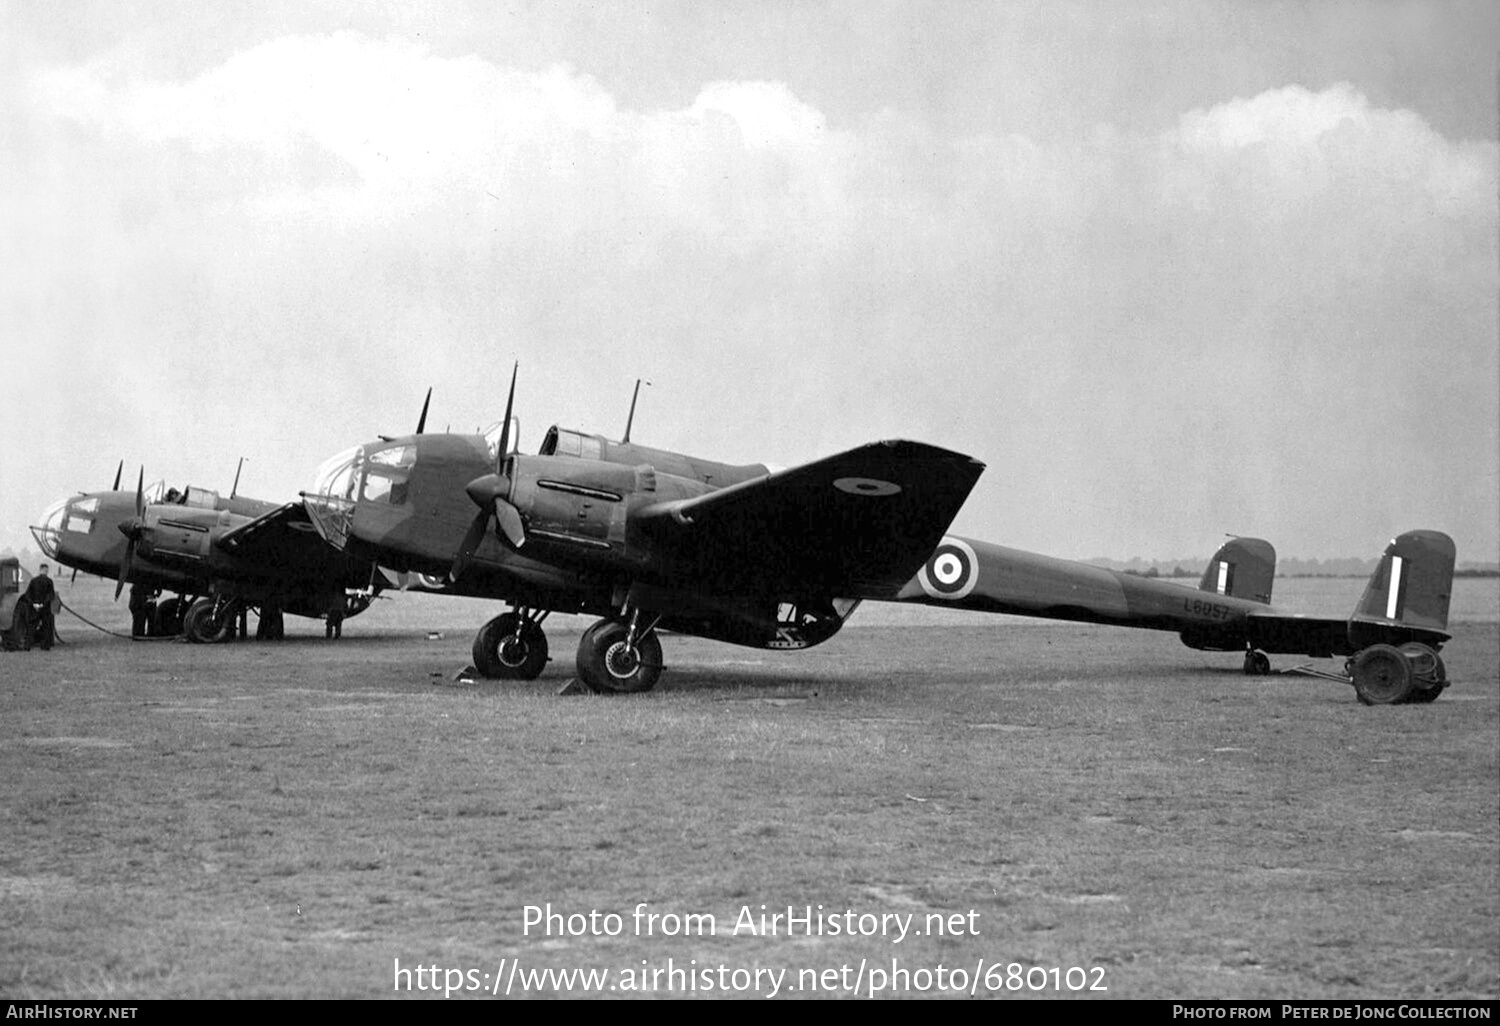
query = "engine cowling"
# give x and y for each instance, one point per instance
(181, 535)
(579, 505)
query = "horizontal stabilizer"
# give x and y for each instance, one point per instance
(1242, 568)
(1413, 584)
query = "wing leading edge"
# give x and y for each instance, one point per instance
(283, 541)
(853, 525)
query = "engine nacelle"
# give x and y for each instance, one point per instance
(182, 535)
(579, 505)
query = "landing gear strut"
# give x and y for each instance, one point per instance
(616, 656)
(512, 646)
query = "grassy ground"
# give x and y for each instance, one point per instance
(289, 819)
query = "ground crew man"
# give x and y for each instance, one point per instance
(40, 594)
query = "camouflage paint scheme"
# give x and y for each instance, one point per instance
(653, 540)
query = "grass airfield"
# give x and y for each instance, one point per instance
(289, 819)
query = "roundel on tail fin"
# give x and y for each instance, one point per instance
(951, 571)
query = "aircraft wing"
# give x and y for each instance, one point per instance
(283, 541)
(854, 525)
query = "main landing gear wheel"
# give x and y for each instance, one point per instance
(1257, 663)
(510, 647)
(1429, 675)
(202, 626)
(608, 663)
(1382, 676)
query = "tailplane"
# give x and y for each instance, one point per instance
(1242, 568)
(1413, 583)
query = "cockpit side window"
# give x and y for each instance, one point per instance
(79, 515)
(386, 473)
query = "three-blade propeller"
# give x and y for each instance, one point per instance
(132, 528)
(491, 493)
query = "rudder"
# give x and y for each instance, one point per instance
(1242, 568)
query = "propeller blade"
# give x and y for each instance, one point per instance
(510, 402)
(118, 471)
(471, 542)
(422, 420)
(125, 567)
(489, 493)
(509, 522)
(132, 530)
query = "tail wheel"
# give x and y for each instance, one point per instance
(607, 663)
(1383, 676)
(504, 652)
(1429, 675)
(201, 625)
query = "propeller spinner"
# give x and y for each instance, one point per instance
(490, 493)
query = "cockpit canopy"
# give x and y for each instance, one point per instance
(196, 498)
(377, 473)
(562, 442)
(76, 513)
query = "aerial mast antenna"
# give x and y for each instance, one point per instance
(631, 419)
(236, 488)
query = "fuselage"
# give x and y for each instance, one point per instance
(401, 501)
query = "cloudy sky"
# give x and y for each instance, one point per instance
(1171, 269)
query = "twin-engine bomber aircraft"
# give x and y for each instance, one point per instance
(221, 554)
(653, 541)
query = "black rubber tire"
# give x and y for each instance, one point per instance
(1257, 663)
(500, 655)
(605, 665)
(199, 625)
(1382, 676)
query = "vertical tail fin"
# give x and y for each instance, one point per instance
(1242, 568)
(1413, 583)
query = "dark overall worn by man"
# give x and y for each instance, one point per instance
(142, 609)
(40, 594)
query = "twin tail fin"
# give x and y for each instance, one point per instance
(1242, 568)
